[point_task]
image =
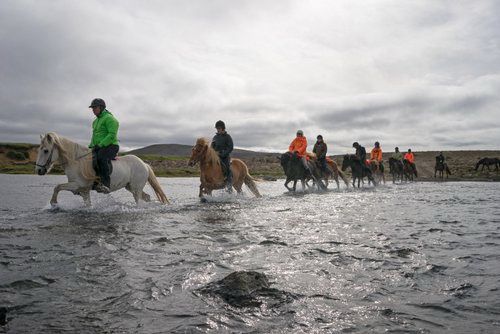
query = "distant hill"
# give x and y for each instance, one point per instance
(169, 150)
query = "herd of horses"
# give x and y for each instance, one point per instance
(131, 173)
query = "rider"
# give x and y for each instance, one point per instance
(104, 143)
(360, 152)
(376, 155)
(397, 155)
(411, 159)
(222, 143)
(320, 149)
(299, 146)
(440, 158)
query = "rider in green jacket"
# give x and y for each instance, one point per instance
(104, 143)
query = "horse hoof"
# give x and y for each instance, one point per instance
(203, 200)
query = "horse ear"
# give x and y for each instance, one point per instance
(49, 138)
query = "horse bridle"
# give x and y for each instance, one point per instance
(49, 160)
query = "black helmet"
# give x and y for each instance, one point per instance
(220, 124)
(396, 148)
(319, 137)
(355, 144)
(97, 102)
(377, 144)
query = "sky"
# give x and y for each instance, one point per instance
(415, 74)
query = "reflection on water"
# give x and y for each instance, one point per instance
(417, 258)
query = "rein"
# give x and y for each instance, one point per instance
(49, 160)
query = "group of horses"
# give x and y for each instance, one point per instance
(131, 173)
(295, 171)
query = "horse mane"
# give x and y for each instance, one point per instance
(71, 152)
(211, 155)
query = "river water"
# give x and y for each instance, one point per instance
(411, 258)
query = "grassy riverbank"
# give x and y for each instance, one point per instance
(19, 158)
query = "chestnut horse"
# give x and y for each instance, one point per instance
(212, 177)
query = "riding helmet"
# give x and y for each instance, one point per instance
(220, 124)
(377, 144)
(319, 137)
(97, 102)
(300, 132)
(355, 144)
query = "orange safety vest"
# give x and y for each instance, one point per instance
(299, 144)
(410, 157)
(376, 154)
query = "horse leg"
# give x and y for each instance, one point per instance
(70, 186)
(303, 182)
(200, 194)
(86, 197)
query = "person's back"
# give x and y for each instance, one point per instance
(222, 143)
(104, 143)
(376, 155)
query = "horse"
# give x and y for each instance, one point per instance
(396, 169)
(212, 177)
(128, 171)
(359, 170)
(409, 170)
(294, 171)
(487, 162)
(441, 167)
(377, 172)
(332, 171)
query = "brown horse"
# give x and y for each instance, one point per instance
(211, 176)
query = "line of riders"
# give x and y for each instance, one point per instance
(104, 146)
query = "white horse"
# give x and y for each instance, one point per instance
(128, 171)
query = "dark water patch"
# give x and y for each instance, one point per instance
(453, 222)
(27, 284)
(435, 269)
(433, 230)
(463, 290)
(434, 307)
(273, 242)
(403, 252)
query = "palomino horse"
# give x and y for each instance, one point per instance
(441, 168)
(396, 169)
(377, 172)
(359, 169)
(212, 177)
(332, 171)
(129, 171)
(488, 162)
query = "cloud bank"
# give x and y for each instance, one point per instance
(423, 75)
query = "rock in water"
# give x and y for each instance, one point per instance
(245, 289)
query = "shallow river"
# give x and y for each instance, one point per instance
(413, 258)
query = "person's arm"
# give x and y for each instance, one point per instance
(112, 128)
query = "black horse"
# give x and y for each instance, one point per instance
(441, 167)
(294, 171)
(396, 169)
(488, 162)
(358, 169)
(409, 170)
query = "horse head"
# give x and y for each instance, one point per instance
(346, 162)
(198, 151)
(48, 153)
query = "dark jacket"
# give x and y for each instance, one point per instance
(320, 150)
(223, 144)
(361, 153)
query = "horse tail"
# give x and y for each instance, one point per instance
(250, 182)
(153, 182)
(448, 171)
(344, 178)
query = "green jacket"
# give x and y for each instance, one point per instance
(104, 130)
(397, 155)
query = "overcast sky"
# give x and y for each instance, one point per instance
(419, 74)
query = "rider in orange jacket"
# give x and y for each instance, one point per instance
(411, 159)
(299, 146)
(376, 155)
